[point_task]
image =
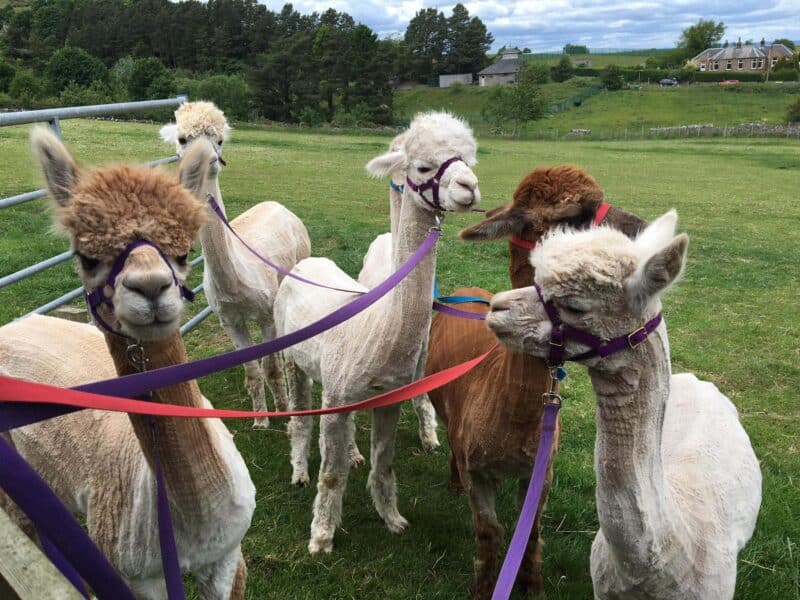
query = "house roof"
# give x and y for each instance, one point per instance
(504, 66)
(746, 51)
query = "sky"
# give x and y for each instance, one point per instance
(546, 25)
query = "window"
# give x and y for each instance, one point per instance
(728, 65)
(702, 66)
(741, 64)
(774, 60)
(754, 64)
(716, 65)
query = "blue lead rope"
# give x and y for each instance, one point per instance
(455, 299)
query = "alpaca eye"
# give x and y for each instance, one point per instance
(182, 141)
(423, 169)
(87, 263)
(181, 260)
(220, 143)
(574, 309)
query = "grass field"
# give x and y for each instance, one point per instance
(623, 113)
(732, 320)
(598, 61)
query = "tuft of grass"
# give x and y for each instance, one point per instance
(732, 320)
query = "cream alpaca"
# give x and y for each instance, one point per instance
(238, 286)
(380, 348)
(678, 483)
(99, 463)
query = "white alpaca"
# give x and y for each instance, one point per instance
(678, 483)
(99, 463)
(380, 348)
(238, 286)
(376, 268)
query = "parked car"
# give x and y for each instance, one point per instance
(729, 82)
(668, 81)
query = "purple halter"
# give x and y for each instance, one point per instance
(433, 184)
(98, 295)
(599, 346)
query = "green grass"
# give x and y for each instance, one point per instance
(733, 320)
(624, 113)
(621, 59)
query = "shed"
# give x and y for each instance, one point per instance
(448, 80)
(504, 71)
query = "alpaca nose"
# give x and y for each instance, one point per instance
(468, 183)
(499, 303)
(148, 284)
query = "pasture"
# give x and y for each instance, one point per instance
(732, 320)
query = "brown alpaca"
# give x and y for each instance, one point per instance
(493, 413)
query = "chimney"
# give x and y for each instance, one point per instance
(739, 43)
(763, 43)
(725, 45)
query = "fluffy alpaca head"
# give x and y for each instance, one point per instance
(546, 197)
(106, 209)
(418, 152)
(194, 120)
(599, 280)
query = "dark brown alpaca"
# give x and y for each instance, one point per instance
(493, 413)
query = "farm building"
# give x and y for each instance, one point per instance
(741, 57)
(448, 80)
(503, 71)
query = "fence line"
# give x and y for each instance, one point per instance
(53, 116)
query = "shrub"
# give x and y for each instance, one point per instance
(535, 72)
(344, 119)
(144, 72)
(793, 113)
(310, 117)
(74, 65)
(121, 71)
(7, 72)
(563, 70)
(612, 78)
(77, 95)
(784, 75)
(230, 92)
(162, 86)
(25, 87)
(515, 105)
(456, 87)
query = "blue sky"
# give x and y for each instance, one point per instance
(546, 25)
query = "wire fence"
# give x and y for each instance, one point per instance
(53, 118)
(708, 130)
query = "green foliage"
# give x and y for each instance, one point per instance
(309, 116)
(612, 78)
(516, 105)
(78, 95)
(74, 65)
(230, 92)
(425, 38)
(537, 72)
(786, 42)
(7, 72)
(563, 70)
(121, 71)
(784, 74)
(148, 78)
(26, 87)
(572, 49)
(793, 112)
(703, 34)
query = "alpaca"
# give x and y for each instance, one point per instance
(376, 268)
(678, 483)
(380, 348)
(100, 463)
(238, 286)
(492, 413)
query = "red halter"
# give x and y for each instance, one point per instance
(599, 217)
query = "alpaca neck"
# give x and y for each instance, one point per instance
(633, 500)
(520, 270)
(194, 470)
(411, 299)
(219, 250)
(395, 203)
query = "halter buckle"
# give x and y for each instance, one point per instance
(137, 357)
(553, 398)
(557, 344)
(438, 220)
(633, 333)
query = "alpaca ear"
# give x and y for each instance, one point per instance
(169, 133)
(658, 272)
(498, 223)
(226, 132)
(386, 163)
(195, 165)
(658, 234)
(58, 167)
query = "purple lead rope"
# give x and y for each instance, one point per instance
(522, 532)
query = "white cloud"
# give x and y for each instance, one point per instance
(546, 25)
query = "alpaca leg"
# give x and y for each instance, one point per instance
(426, 414)
(299, 428)
(530, 572)
(356, 458)
(333, 472)
(455, 476)
(225, 579)
(488, 533)
(237, 331)
(273, 370)
(381, 481)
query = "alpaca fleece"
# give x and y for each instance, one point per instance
(201, 118)
(114, 206)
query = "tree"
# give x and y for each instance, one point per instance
(786, 42)
(536, 72)
(793, 112)
(74, 65)
(702, 35)
(571, 49)
(425, 38)
(611, 78)
(563, 70)
(146, 72)
(515, 104)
